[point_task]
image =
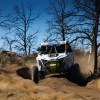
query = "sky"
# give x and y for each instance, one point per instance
(40, 24)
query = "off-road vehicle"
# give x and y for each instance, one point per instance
(53, 57)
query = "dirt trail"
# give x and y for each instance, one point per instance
(14, 87)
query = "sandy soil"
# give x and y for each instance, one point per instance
(14, 87)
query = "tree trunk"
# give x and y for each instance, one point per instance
(63, 34)
(95, 32)
(10, 48)
(62, 27)
(29, 50)
(25, 45)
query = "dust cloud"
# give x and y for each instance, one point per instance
(85, 64)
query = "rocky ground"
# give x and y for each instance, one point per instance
(53, 87)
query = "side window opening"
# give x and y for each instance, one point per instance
(68, 48)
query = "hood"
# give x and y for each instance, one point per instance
(49, 57)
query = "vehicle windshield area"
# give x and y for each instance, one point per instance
(52, 49)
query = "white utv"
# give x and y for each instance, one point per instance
(53, 57)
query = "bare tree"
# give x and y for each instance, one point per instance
(5, 25)
(31, 42)
(60, 23)
(89, 14)
(4, 21)
(9, 42)
(23, 18)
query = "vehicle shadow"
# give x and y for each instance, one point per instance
(74, 75)
(24, 73)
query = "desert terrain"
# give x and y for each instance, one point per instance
(15, 84)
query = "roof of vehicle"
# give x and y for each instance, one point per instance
(53, 43)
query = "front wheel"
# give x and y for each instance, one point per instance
(34, 75)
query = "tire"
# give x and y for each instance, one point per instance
(34, 75)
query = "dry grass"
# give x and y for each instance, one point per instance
(14, 87)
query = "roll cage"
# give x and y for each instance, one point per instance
(55, 48)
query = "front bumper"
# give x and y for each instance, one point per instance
(53, 66)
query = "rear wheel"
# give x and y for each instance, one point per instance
(34, 75)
